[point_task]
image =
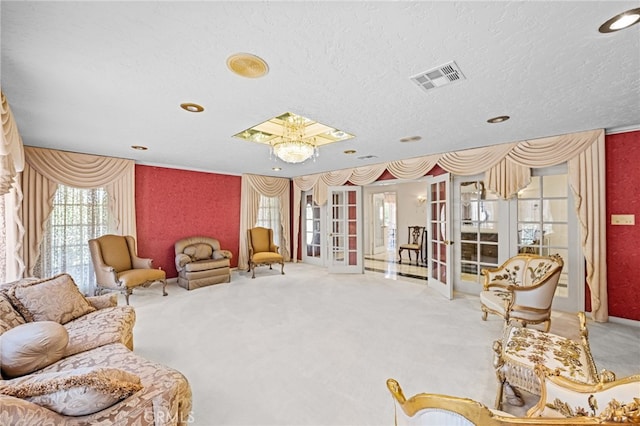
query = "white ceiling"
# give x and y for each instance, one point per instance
(98, 77)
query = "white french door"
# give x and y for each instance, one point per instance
(314, 246)
(540, 219)
(439, 235)
(344, 208)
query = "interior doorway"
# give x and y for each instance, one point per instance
(390, 208)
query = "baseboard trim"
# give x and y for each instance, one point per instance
(625, 321)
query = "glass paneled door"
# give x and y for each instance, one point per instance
(439, 235)
(546, 225)
(314, 246)
(344, 205)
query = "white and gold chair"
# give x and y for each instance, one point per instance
(433, 409)
(425, 409)
(616, 401)
(522, 289)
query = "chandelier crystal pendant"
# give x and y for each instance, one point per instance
(292, 146)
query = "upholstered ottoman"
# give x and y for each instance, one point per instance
(521, 349)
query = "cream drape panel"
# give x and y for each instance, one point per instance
(251, 188)
(507, 178)
(473, 161)
(412, 168)
(11, 150)
(46, 168)
(507, 169)
(587, 179)
(366, 175)
(300, 185)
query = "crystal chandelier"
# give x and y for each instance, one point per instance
(292, 146)
(293, 138)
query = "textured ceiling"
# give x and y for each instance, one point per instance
(98, 77)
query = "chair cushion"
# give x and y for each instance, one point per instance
(267, 257)
(74, 392)
(523, 348)
(136, 277)
(115, 252)
(203, 265)
(198, 251)
(410, 246)
(31, 346)
(494, 299)
(52, 299)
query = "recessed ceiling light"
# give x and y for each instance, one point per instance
(411, 139)
(621, 21)
(139, 147)
(191, 107)
(498, 119)
(247, 65)
(276, 169)
(349, 151)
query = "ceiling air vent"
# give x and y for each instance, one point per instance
(438, 77)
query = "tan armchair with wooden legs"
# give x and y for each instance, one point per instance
(262, 250)
(118, 267)
(522, 289)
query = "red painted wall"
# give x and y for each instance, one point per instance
(623, 242)
(172, 204)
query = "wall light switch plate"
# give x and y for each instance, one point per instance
(623, 219)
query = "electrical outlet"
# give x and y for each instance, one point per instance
(623, 219)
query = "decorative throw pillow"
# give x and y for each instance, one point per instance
(217, 255)
(53, 299)
(31, 346)
(76, 392)
(198, 251)
(8, 315)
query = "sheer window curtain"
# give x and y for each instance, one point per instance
(78, 215)
(269, 216)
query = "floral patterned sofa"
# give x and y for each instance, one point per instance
(67, 359)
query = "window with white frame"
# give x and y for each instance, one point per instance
(269, 216)
(78, 215)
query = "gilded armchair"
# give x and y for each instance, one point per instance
(262, 250)
(118, 267)
(522, 289)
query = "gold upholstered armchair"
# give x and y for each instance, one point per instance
(118, 267)
(262, 250)
(522, 289)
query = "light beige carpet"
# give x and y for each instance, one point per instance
(312, 348)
